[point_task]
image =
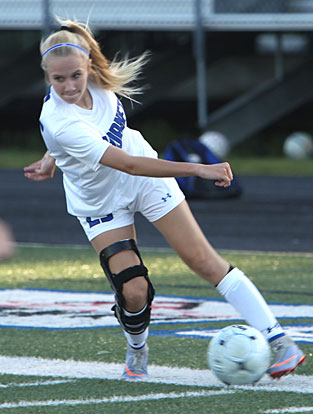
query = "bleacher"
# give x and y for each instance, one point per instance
(162, 14)
(240, 117)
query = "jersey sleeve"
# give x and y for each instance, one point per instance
(84, 143)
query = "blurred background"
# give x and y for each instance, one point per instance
(243, 67)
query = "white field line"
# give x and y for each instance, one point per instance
(290, 410)
(115, 399)
(41, 367)
(34, 384)
(165, 249)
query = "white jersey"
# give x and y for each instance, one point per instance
(77, 138)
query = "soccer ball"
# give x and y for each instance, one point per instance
(215, 142)
(239, 355)
(298, 145)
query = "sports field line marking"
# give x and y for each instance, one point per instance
(35, 384)
(164, 249)
(40, 367)
(290, 410)
(116, 399)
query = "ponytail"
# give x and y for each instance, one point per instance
(116, 75)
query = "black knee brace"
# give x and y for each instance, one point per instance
(134, 324)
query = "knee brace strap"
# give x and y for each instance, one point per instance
(132, 324)
(117, 280)
(109, 251)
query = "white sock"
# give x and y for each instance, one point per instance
(240, 292)
(136, 341)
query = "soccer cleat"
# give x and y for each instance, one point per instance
(287, 356)
(136, 368)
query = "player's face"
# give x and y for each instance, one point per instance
(69, 75)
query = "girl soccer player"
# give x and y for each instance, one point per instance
(110, 172)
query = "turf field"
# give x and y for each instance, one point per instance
(61, 351)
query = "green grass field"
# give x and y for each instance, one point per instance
(249, 165)
(33, 382)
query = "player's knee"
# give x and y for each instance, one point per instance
(133, 289)
(135, 293)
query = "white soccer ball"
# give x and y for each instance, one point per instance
(239, 355)
(215, 142)
(298, 145)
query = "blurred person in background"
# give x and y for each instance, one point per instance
(7, 248)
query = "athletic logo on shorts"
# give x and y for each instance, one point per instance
(168, 195)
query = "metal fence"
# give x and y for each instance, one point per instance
(162, 14)
(103, 14)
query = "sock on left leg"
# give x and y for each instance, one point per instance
(240, 292)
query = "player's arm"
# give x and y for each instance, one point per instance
(41, 170)
(152, 167)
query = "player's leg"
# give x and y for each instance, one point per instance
(123, 266)
(135, 290)
(184, 234)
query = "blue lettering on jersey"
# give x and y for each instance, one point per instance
(47, 97)
(115, 134)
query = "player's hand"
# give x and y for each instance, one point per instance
(41, 170)
(221, 173)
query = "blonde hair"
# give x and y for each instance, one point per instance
(115, 75)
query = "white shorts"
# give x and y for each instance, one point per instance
(156, 197)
